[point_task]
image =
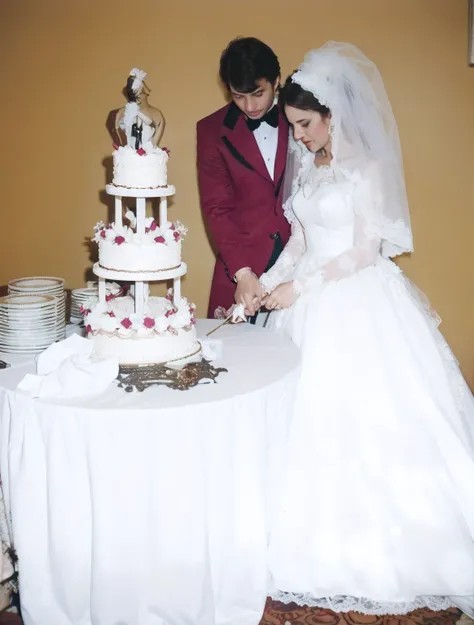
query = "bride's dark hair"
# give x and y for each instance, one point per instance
(292, 94)
(131, 95)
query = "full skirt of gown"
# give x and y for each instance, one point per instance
(376, 505)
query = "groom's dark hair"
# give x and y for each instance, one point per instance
(246, 60)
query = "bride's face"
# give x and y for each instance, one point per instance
(309, 127)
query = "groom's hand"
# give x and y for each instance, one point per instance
(249, 291)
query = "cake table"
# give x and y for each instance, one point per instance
(149, 508)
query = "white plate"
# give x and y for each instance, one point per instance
(55, 292)
(31, 323)
(84, 298)
(19, 350)
(33, 308)
(35, 319)
(28, 331)
(84, 290)
(5, 331)
(27, 313)
(37, 339)
(28, 309)
(27, 334)
(18, 300)
(37, 282)
(21, 341)
(28, 342)
(30, 336)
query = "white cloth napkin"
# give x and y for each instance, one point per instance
(69, 369)
(211, 348)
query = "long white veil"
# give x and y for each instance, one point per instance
(364, 138)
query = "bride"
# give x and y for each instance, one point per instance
(376, 509)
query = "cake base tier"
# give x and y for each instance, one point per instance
(145, 192)
(139, 276)
(193, 354)
(170, 350)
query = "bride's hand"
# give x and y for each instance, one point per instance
(282, 297)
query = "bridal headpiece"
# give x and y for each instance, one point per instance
(315, 75)
(139, 76)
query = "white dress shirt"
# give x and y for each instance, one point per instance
(267, 140)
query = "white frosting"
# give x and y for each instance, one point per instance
(163, 333)
(122, 249)
(153, 349)
(139, 258)
(118, 317)
(145, 171)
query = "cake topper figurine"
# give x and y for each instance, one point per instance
(141, 122)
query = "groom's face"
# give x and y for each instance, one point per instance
(259, 101)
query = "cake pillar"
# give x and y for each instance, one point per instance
(177, 292)
(102, 290)
(141, 213)
(139, 298)
(118, 211)
(163, 212)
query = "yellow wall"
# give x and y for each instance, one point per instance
(64, 63)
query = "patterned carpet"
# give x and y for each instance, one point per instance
(277, 613)
(280, 614)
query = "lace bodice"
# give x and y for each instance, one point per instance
(330, 237)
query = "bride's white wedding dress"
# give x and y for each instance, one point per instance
(376, 507)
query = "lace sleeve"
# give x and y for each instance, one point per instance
(363, 253)
(283, 269)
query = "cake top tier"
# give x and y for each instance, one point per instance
(140, 165)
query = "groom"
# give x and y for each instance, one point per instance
(241, 157)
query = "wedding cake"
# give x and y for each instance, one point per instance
(128, 323)
(122, 248)
(145, 168)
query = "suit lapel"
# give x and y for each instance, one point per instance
(240, 141)
(282, 150)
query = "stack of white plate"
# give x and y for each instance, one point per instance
(82, 298)
(28, 323)
(44, 285)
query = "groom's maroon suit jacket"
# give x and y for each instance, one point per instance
(240, 201)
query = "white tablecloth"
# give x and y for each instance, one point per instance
(152, 508)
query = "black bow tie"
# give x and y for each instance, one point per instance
(270, 117)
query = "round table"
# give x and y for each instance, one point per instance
(149, 508)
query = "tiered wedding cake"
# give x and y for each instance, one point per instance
(144, 168)
(128, 323)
